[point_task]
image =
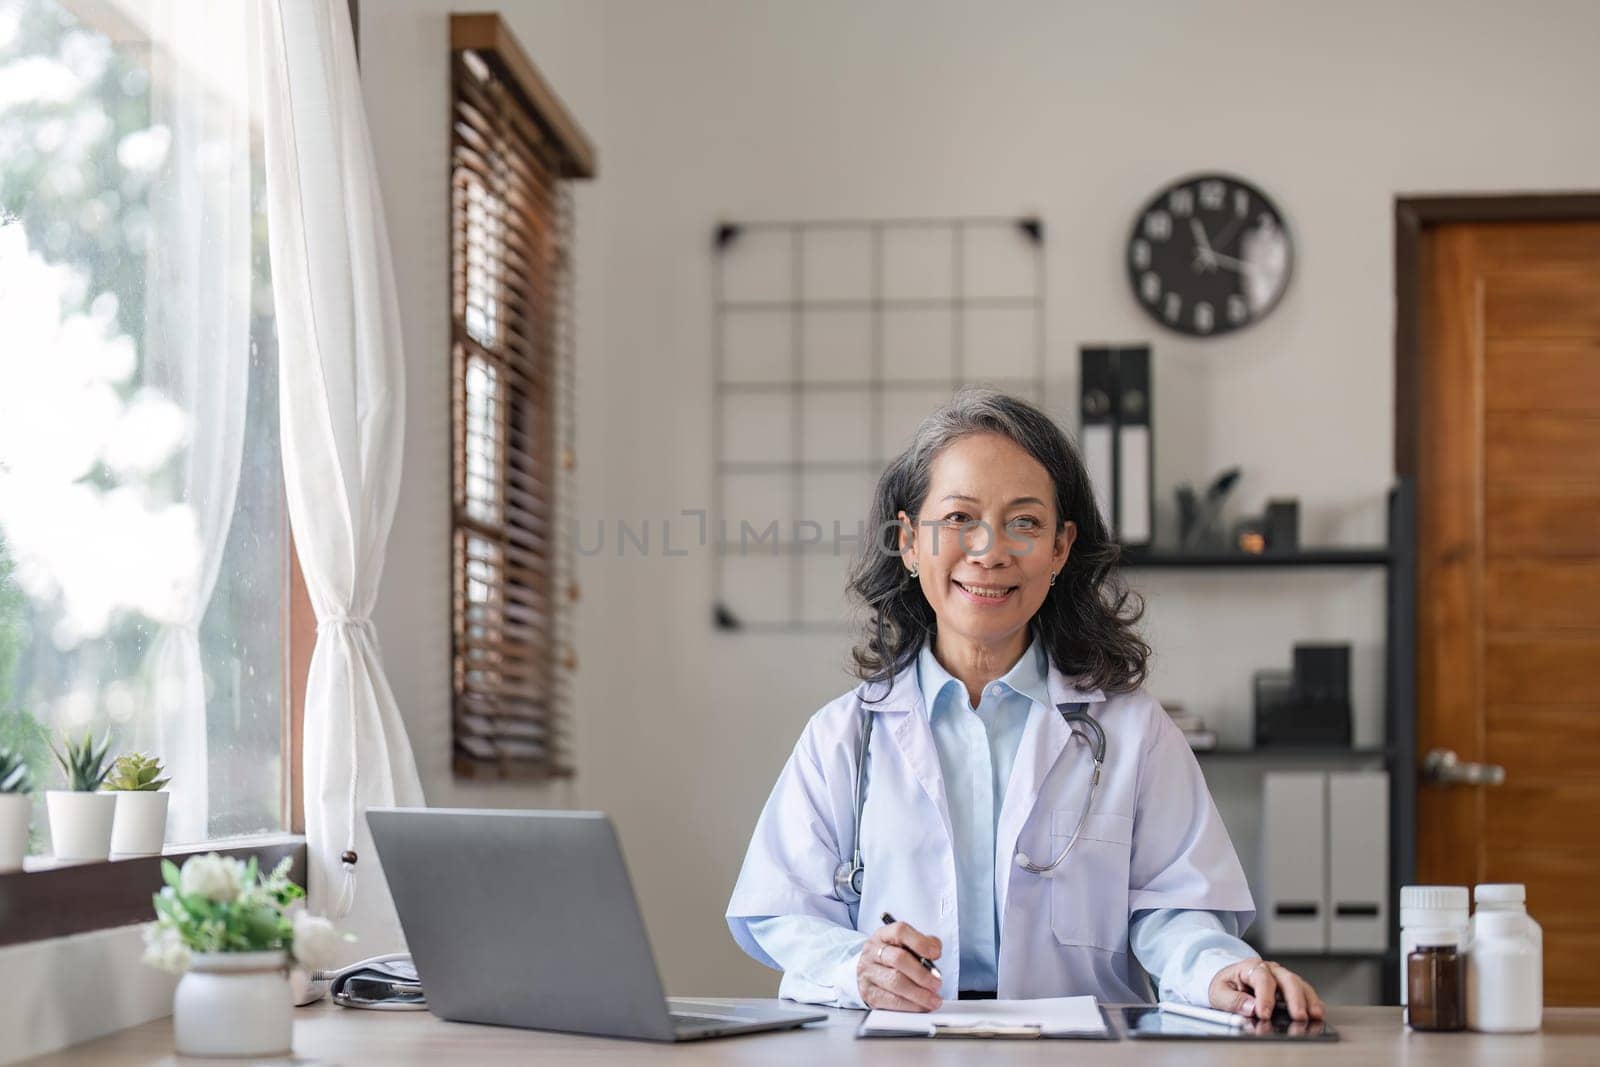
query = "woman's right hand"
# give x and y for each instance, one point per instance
(888, 972)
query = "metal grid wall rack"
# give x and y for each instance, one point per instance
(831, 340)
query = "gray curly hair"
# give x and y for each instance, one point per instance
(1087, 622)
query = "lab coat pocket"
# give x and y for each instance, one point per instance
(1089, 891)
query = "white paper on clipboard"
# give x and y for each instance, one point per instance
(1052, 1016)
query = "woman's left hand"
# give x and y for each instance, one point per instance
(1251, 988)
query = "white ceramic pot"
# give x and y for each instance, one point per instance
(140, 825)
(234, 1004)
(15, 811)
(80, 824)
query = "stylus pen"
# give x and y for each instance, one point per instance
(926, 963)
(1210, 1015)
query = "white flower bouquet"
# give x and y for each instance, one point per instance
(219, 904)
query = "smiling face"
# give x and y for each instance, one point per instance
(986, 541)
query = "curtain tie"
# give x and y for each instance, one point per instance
(348, 857)
(355, 622)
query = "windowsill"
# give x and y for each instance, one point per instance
(223, 845)
(53, 898)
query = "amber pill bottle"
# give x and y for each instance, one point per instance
(1436, 981)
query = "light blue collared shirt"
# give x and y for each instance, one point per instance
(977, 748)
(1182, 949)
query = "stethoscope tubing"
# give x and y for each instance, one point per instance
(1098, 753)
(847, 879)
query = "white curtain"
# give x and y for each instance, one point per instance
(198, 320)
(342, 383)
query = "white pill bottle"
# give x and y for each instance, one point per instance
(1429, 906)
(1507, 898)
(1502, 976)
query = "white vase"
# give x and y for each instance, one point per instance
(234, 1004)
(15, 811)
(80, 824)
(140, 825)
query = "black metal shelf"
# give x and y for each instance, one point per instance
(1398, 753)
(1361, 556)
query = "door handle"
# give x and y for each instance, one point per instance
(1443, 767)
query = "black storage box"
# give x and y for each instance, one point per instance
(1310, 706)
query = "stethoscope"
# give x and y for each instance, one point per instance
(848, 878)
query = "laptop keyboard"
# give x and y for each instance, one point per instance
(685, 1023)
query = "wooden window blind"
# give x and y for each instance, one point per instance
(514, 153)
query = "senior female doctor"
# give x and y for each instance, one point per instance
(1030, 816)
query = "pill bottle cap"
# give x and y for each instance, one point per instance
(1437, 936)
(1501, 924)
(1500, 893)
(1434, 897)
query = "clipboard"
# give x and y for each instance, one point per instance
(995, 1030)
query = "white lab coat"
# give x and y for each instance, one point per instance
(1153, 839)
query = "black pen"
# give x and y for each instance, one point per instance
(925, 961)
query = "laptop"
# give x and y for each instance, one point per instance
(528, 919)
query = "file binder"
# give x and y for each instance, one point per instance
(1295, 836)
(1117, 438)
(1134, 459)
(1358, 861)
(1097, 438)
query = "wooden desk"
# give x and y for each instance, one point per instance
(328, 1034)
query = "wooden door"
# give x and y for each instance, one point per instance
(1508, 573)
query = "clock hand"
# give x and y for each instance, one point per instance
(1228, 232)
(1238, 266)
(1204, 257)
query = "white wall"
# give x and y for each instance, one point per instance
(71, 989)
(707, 110)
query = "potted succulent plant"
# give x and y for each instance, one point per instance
(16, 808)
(139, 827)
(232, 932)
(80, 816)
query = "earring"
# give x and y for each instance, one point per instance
(913, 571)
(1052, 578)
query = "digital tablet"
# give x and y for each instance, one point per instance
(1154, 1024)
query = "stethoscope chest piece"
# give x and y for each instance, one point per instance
(848, 879)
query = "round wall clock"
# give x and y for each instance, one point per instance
(1208, 255)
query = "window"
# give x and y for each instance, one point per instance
(514, 151)
(143, 536)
